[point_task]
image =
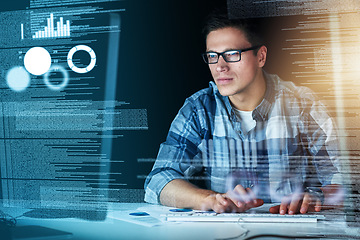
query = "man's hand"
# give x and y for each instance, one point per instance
(297, 203)
(237, 200)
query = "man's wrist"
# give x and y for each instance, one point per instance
(317, 192)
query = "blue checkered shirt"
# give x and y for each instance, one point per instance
(293, 145)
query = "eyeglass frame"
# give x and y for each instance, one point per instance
(222, 54)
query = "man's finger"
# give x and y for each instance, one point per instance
(295, 203)
(251, 194)
(305, 204)
(275, 209)
(318, 205)
(285, 201)
(221, 199)
(258, 202)
(238, 196)
(219, 208)
(241, 193)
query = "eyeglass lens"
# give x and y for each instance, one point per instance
(229, 56)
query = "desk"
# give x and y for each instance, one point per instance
(118, 229)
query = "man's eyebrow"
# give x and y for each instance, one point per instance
(227, 49)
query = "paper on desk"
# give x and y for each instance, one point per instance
(157, 211)
(148, 220)
(155, 217)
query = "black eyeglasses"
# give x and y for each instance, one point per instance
(228, 56)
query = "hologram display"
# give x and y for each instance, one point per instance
(58, 107)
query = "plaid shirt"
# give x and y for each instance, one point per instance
(293, 145)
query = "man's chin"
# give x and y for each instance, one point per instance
(225, 93)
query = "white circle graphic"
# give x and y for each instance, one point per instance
(18, 79)
(37, 60)
(83, 48)
(56, 68)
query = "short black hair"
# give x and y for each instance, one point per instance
(252, 28)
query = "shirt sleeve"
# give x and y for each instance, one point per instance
(176, 157)
(323, 144)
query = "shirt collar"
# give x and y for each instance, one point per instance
(262, 110)
(225, 100)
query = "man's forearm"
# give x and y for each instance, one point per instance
(182, 194)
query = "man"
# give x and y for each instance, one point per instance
(251, 137)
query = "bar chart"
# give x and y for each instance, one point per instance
(61, 30)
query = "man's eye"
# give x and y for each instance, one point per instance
(232, 53)
(212, 55)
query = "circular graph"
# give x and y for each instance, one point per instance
(58, 87)
(81, 48)
(37, 60)
(18, 79)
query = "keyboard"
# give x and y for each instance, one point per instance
(241, 217)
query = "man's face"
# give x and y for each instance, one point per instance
(234, 78)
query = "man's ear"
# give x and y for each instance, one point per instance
(261, 55)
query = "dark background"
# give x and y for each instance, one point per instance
(160, 66)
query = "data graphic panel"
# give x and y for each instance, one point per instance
(54, 29)
(58, 106)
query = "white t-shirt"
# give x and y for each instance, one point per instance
(246, 119)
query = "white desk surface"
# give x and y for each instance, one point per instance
(121, 229)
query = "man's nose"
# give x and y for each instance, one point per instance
(222, 65)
